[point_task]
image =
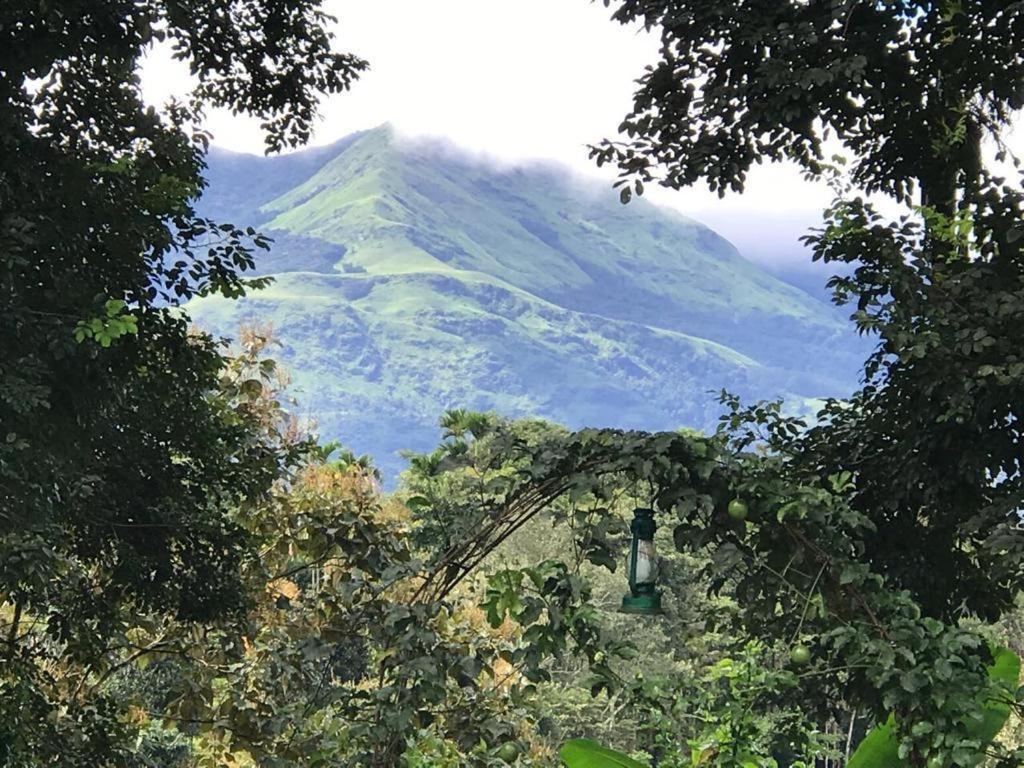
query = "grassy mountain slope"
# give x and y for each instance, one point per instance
(411, 279)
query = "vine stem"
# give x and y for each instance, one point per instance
(807, 602)
(12, 634)
(849, 734)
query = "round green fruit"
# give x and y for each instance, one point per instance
(800, 654)
(738, 509)
(508, 752)
(936, 762)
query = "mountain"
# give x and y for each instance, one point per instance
(411, 278)
(774, 243)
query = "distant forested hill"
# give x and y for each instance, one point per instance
(411, 278)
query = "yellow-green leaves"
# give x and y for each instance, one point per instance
(114, 323)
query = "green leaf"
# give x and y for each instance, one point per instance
(1004, 672)
(114, 307)
(880, 748)
(584, 753)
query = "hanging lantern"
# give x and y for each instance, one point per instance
(642, 567)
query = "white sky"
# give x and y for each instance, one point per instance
(515, 80)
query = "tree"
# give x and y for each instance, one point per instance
(688, 681)
(931, 444)
(911, 91)
(338, 662)
(795, 567)
(119, 459)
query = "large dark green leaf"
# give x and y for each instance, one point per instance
(1005, 672)
(879, 748)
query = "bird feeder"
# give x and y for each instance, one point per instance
(642, 567)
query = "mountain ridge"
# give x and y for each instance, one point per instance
(438, 281)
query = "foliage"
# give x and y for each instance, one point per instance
(921, 468)
(910, 90)
(583, 753)
(732, 735)
(72, 645)
(733, 713)
(651, 677)
(119, 460)
(795, 566)
(944, 391)
(338, 659)
(740, 703)
(880, 748)
(162, 579)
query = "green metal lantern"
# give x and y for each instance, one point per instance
(642, 567)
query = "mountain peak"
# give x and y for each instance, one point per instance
(411, 278)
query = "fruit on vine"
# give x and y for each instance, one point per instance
(508, 752)
(738, 509)
(800, 654)
(935, 762)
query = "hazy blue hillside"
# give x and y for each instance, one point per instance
(411, 279)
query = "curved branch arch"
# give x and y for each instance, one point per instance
(676, 465)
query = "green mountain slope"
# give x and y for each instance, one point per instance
(410, 279)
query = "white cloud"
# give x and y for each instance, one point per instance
(514, 79)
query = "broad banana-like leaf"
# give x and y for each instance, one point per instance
(881, 750)
(584, 753)
(1005, 672)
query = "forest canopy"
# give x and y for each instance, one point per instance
(189, 578)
